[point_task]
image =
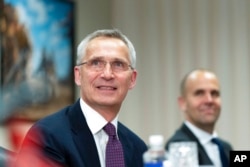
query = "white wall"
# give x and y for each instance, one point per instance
(92, 15)
(174, 36)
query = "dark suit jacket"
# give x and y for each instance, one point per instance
(67, 140)
(185, 134)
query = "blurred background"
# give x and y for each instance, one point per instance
(171, 38)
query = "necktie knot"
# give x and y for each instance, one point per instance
(216, 141)
(109, 128)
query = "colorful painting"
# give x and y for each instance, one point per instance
(37, 57)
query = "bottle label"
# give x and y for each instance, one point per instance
(153, 164)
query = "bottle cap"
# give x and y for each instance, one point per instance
(156, 141)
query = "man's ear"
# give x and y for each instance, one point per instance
(133, 79)
(182, 103)
(77, 74)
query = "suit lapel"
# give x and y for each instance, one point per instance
(126, 144)
(83, 137)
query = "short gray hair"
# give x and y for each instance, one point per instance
(112, 33)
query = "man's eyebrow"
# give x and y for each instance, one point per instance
(199, 90)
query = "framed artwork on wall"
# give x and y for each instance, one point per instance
(37, 57)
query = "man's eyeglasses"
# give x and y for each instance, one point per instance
(99, 65)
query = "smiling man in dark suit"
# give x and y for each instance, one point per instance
(201, 104)
(74, 136)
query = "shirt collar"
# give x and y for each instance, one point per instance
(94, 120)
(202, 135)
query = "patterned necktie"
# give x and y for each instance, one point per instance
(223, 157)
(114, 151)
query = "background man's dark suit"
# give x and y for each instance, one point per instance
(185, 134)
(75, 146)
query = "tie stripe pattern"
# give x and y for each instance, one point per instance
(114, 151)
(223, 157)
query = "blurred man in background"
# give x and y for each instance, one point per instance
(200, 102)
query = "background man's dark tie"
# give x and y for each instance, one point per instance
(223, 157)
(114, 151)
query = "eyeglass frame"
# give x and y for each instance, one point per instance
(104, 63)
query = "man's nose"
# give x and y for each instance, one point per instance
(209, 97)
(107, 70)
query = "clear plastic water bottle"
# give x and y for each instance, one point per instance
(156, 155)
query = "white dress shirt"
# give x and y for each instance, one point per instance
(205, 140)
(96, 123)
